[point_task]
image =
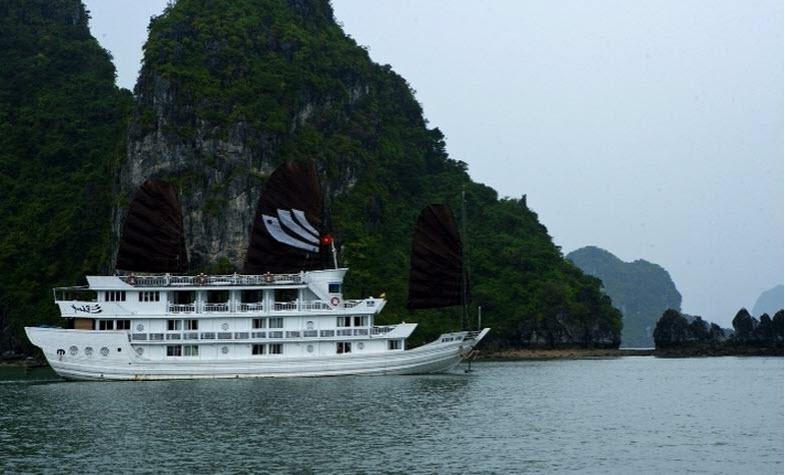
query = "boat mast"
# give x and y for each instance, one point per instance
(465, 267)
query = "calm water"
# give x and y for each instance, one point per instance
(627, 415)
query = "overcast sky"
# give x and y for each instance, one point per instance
(651, 129)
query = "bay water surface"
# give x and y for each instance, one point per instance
(620, 415)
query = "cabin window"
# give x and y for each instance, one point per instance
(360, 321)
(276, 322)
(174, 350)
(344, 322)
(394, 345)
(191, 324)
(286, 295)
(259, 323)
(343, 347)
(174, 325)
(114, 296)
(334, 288)
(252, 296)
(184, 297)
(123, 324)
(154, 296)
(258, 349)
(190, 350)
(106, 324)
(276, 348)
(217, 296)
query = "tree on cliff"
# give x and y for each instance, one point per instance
(62, 125)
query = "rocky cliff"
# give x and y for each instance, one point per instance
(640, 289)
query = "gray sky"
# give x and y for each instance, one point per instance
(651, 129)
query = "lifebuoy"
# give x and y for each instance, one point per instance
(268, 277)
(335, 301)
(201, 279)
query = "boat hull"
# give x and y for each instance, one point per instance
(113, 358)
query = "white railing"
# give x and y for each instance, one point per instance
(252, 307)
(216, 307)
(255, 335)
(182, 308)
(201, 280)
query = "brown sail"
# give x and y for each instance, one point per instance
(436, 278)
(286, 234)
(152, 238)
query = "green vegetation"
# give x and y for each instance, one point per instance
(300, 88)
(640, 289)
(61, 136)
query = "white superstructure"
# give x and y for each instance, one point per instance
(139, 327)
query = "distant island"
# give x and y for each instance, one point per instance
(641, 290)
(675, 335)
(769, 301)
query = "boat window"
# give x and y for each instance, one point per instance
(344, 322)
(114, 296)
(106, 324)
(191, 324)
(190, 350)
(183, 297)
(258, 349)
(174, 325)
(153, 296)
(334, 288)
(276, 322)
(252, 296)
(259, 323)
(174, 350)
(394, 345)
(123, 325)
(343, 347)
(360, 321)
(217, 296)
(276, 348)
(285, 295)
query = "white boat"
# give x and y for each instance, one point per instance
(232, 326)
(155, 323)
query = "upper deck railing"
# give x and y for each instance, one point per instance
(168, 280)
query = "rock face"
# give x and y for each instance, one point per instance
(770, 301)
(231, 89)
(641, 290)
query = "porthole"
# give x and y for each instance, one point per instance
(361, 345)
(309, 348)
(140, 351)
(309, 325)
(224, 326)
(105, 351)
(73, 350)
(140, 328)
(88, 351)
(224, 349)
